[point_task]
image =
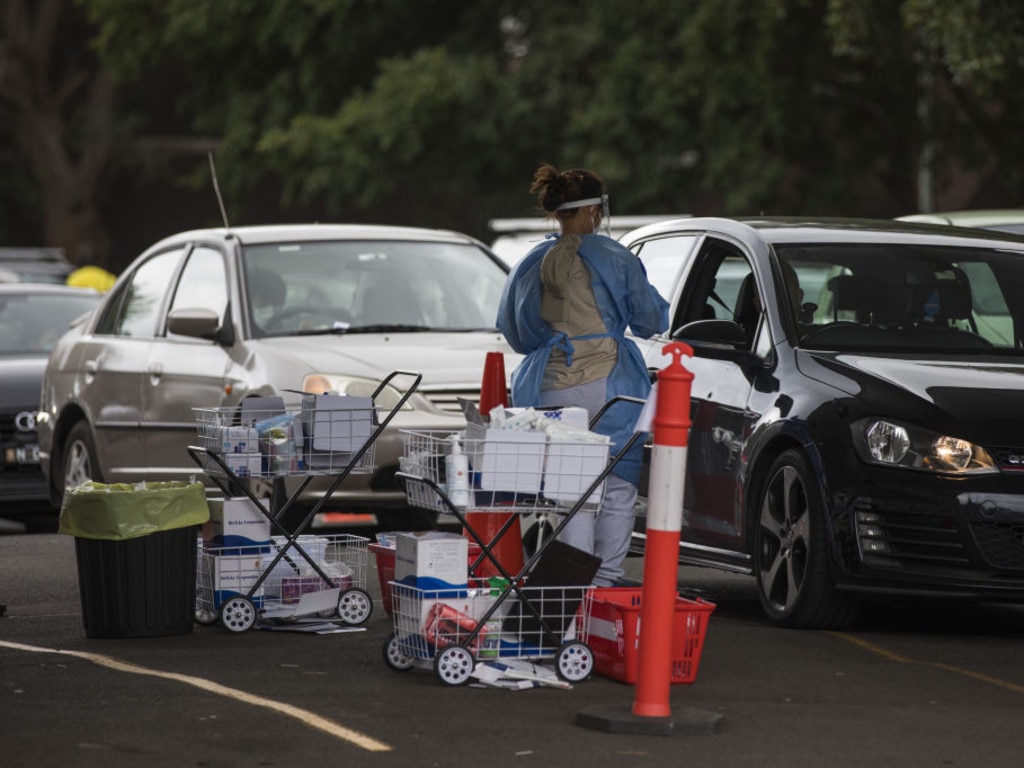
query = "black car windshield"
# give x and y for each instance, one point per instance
(892, 298)
(30, 323)
(360, 286)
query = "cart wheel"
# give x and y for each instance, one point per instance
(395, 657)
(206, 616)
(355, 606)
(454, 665)
(237, 614)
(574, 662)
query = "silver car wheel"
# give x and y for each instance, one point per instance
(80, 462)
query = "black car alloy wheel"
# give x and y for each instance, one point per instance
(791, 552)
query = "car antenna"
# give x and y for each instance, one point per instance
(216, 188)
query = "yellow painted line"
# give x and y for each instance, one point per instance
(890, 656)
(303, 716)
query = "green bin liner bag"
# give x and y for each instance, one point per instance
(121, 511)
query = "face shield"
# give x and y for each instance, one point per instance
(604, 217)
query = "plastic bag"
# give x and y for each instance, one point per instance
(126, 511)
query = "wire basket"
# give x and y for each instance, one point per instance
(532, 625)
(304, 439)
(517, 471)
(226, 571)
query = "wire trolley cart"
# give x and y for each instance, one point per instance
(512, 471)
(291, 573)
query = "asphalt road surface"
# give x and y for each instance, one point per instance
(907, 686)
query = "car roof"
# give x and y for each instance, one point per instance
(791, 229)
(271, 233)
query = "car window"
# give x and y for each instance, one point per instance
(721, 286)
(903, 297)
(135, 310)
(323, 286)
(203, 283)
(663, 258)
(30, 323)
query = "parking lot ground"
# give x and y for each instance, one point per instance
(935, 686)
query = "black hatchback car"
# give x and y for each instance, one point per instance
(857, 407)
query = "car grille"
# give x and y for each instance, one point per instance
(448, 399)
(1008, 459)
(1001, 543)
(910, 540)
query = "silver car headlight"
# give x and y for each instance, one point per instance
(356, 386)
(894, 444)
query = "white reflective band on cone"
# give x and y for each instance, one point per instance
(665, 488)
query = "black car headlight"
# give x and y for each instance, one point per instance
(894, 444)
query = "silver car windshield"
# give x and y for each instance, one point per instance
(885, 297)
(366, 287)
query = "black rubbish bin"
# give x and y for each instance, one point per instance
(136, 551)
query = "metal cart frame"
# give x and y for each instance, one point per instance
(455, 662)
(239, 612)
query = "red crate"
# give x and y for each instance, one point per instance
(612, 630)
(385, 557)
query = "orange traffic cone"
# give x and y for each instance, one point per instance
(493, 389)
(508, 550)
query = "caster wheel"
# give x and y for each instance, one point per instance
(206, 616)
(454, 665)
(355, 606)
(237, 614)
(574, 662)
(395, 657)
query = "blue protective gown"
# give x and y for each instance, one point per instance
(625, 299)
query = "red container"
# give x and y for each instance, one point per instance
(612, 630)
(386, 569)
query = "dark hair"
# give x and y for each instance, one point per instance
(553, 188)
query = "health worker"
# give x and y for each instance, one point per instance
(566, 306)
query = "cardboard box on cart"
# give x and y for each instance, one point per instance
(236, 526)
(432, 560)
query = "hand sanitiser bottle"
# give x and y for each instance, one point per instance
(456, 465)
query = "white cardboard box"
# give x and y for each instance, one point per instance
(237, 523)
(244, 464)
(239, 440)
(236, 575)
(505, 459)
(432, 560)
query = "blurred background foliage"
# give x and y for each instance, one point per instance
(437, 112)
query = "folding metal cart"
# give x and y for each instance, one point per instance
(512, 472)
(275, 439)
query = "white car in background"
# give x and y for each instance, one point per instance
(209, 318)
(999, 219)
(515, 237)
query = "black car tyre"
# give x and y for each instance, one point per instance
(791, 552)
(79, 459)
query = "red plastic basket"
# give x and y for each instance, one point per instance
(612, 630)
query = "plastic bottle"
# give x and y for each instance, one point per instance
(456, 465)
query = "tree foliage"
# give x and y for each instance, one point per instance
(438, 112)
